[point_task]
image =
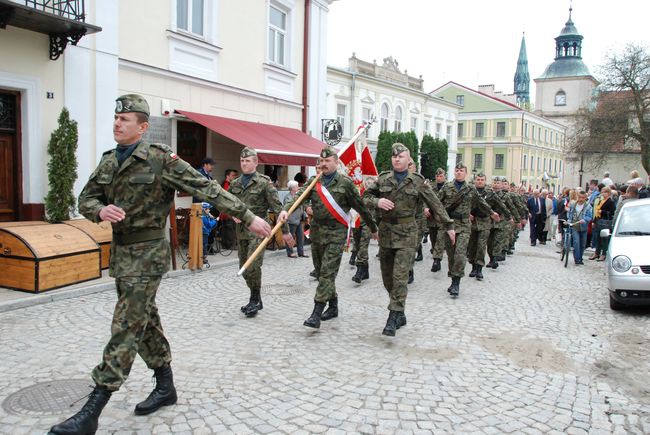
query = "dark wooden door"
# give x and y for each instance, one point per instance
(8, 158)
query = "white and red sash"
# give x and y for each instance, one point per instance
(332, 206)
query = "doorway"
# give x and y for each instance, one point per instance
(9, 155)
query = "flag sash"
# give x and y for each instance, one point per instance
(332, 206)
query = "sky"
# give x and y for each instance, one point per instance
(476, 42)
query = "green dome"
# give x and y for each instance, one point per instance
(566, 67)
(569, 29)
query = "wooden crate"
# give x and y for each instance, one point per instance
(35, 258)
(101, 233)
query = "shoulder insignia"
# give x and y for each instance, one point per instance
(266, 177)
(105, 153)
(384, 173)
(418, 175)
(162, 146)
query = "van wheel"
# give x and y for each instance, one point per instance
(614, 304)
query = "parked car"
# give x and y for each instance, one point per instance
(628, 256)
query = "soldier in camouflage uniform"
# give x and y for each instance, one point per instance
(521, 206)
(396, 196)
(361, 242)
(459, 198)
(437, 243)
(421, 220)
(481, 225)
(133, 187)
(260, 196)
(498, 233)
(329, 230)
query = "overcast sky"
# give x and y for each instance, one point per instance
(476, 42)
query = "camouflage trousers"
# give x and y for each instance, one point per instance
(327, 260)
(395, 265)
(360, 241)
(253, 274)
(433, 237)
(495, 242)
(477, 244)
(135, 330)
(457, 253)
(440, 243)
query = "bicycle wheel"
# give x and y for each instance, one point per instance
(220, 249)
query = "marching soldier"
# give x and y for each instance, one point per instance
(396, 196)
(437, 240)
(497, 233)
(522, 210)
(133, 187)
(362, 238)
(258, 193)
(459, 198)
(421, 220)
(481, 224)
(331, 200)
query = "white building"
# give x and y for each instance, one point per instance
(396, 99)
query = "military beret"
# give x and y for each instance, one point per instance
(481, 174)
(248, 152)
(460, 165)
(131, 103)
(328, 151)
(399, 148)
(504, 179)
(440, 171)
(512, 185)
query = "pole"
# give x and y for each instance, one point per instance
(278, 225)
(173, 234)
(195, 248)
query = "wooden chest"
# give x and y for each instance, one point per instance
(39, 257)
(101, 233)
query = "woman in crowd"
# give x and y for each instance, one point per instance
(580, 214)
(295, 222)
(604, 210)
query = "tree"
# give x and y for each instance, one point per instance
(620, 114)
(62, 169)
(384, 143)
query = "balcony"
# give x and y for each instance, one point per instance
(64, 21)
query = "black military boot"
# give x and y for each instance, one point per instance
(313, 274)
(332, 311)
(254, 304)
(84, 421)
(435, 267)
(401, 319)
(479, 272)
(510, 251)
(493, 264)
(361, 274)
(454, 289)
(164, 394)
(353, 259)
(411, 277)
(391, 324)
(472, 274)
(314, 319)
(419, 256)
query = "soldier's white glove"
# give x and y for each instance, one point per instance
(452, 236)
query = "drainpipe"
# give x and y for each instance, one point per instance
(305, 66)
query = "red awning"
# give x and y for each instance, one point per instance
(275, 145)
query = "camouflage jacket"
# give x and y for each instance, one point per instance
(483, 221)
(398, 227)
(260, 196)
(520, 203)
(144, 186)
(324, 226)
(467, 199)
(431, 221)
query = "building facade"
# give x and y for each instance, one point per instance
(261, 62)
(497, 137)
(396, 100)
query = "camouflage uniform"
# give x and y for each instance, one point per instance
(327, 234)
(437, 242)
(482, 224)
(517, 215)
(260, 196)
(144, 186)
(398, 235)
(499, 233)
(360, 240)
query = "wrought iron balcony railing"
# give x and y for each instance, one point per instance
(71, 9)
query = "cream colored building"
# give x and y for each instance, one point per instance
(394, 98)
(497, 137)
(227, 61)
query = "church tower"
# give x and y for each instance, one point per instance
(522, 77)
(566, 85)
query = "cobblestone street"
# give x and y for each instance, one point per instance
(534, 348)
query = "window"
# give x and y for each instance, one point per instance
(384, 117)
(532, 132)
(526, 130)
(340, 115)
(461, 127)
(438, 130)
(501, 129)
(545, 136)
(366, 113)
(459, 158)
(532, 162)
(544, 165)
(277, 35)
(414, 124)
(560, 165)
(555, 170)
(480, 127)
(478, 161)
(525, 161)
(498, 161)
(560, 98)
(398, 119)
(427, 126)
(449, 129)
(189, 16)
(538, 163)
(460, 100)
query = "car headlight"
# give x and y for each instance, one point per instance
(621, 264)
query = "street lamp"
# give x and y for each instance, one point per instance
(474, 171)
(581, 171)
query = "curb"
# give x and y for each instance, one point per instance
(45, 298)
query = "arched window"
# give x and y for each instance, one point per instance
(398, 119)
(384, 117)
(560, 98)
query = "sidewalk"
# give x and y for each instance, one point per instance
(15, 299)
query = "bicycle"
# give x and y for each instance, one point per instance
(216, 247)
(566, 240)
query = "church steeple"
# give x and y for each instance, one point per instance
(522, 77)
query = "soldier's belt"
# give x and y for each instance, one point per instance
(458, 216)
(140, 236)
(396, 220)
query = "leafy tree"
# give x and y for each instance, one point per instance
(619, 117)
(62, 169)
(384, 143)
(434, 155)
